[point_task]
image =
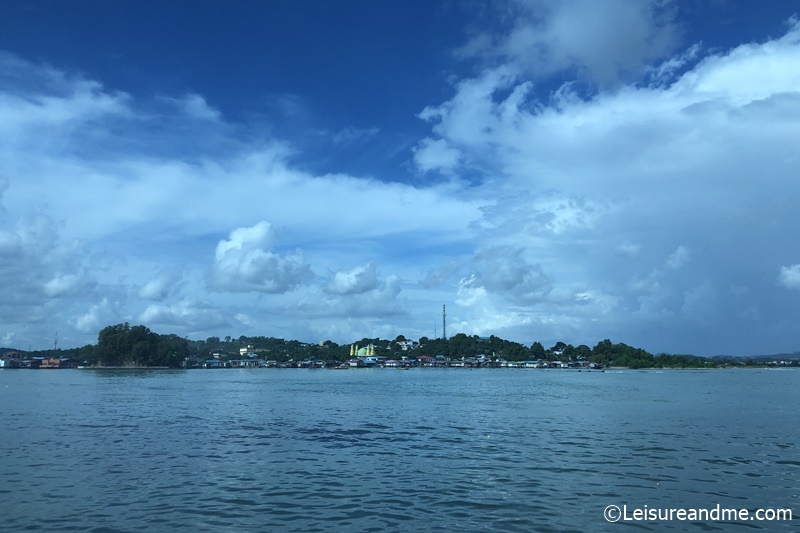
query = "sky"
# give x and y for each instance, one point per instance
(331, 170)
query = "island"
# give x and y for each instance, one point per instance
(126, 346)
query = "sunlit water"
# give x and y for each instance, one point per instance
(387, 450)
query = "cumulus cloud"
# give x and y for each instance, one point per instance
(159, 287)
(442, 275)
(82, 154)
(196, 107)
(471, 293)
(380, 301)
(696, 156)
(437, 154)
(472, 116)
(648, 284)
(185, 316)
(374, 305)
(245, 262)
(537, 215)
(678, 258)
(504, 269)
(46, 280)
(62, 285)
(789, 277)
(606, 41)
(36, 262)
(566, 185)
(641, 140)
(629, 249)
(97, 317)
(356, 281)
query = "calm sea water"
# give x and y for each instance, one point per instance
(387, 450)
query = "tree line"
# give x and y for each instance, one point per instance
(126, 345)
(456, 347)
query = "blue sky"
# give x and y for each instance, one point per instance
(570, 170)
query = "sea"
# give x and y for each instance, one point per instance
(382, 450)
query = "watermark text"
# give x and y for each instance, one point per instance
(645, 513)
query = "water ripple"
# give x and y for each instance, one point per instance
(381, 451)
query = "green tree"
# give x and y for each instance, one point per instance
(568, 351)
(583, 352)
(138, 346)
(602, 353)
(558, 347)
(537, 350)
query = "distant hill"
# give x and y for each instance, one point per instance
(759, 358)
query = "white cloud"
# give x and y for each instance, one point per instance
(605, 41)
(441, 275)
(62, 285)
(471, 293)
(665, 73)
(437, 154)
(97, 317)
(678, 258)
(701, 156)
(160, 287)
(350, 136)
(629, 249)
(652, 141)
(505, 270)
(185, 316)
(648, 284)
(472, 116)
(245, 262)
(36, 96)
(356, 281)
(548, 199)
(37, 264)
(196, 107)
(133, 186)
(789, 277)
(729, 77)
(316, 313)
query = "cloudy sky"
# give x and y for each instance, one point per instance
(572, 170)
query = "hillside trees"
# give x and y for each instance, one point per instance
(123, 345)
(126, 345)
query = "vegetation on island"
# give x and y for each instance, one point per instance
(123, 345)
(137, 346)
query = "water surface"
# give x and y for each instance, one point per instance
(387, 450)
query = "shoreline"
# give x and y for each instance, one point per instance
(127, 368)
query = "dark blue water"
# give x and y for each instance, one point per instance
(387, 450)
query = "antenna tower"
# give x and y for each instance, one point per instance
(444, 323)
